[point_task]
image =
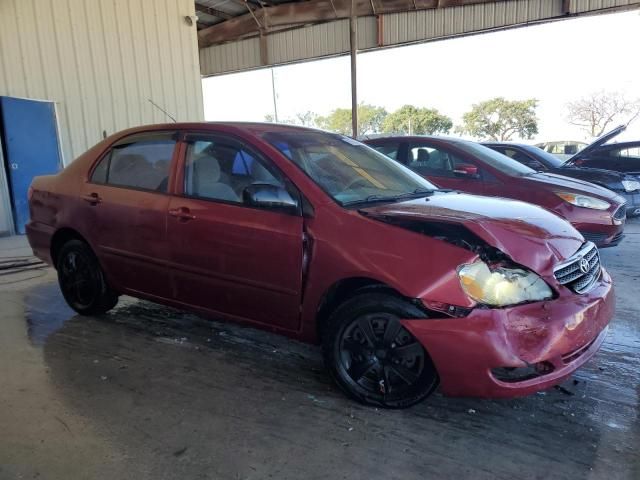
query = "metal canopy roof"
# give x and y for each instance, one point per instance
(238, 35)
(221, 21)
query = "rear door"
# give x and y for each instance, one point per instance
(226, 257)
(126, 203)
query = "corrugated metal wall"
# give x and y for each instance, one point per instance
(100, 61)
(332, 38)
(587, 5)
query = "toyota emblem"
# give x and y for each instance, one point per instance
(584, 265)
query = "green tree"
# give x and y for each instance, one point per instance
(501, 119)
(370, 120)
(419, 121)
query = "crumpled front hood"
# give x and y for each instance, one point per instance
(559, 183)
(529, 235)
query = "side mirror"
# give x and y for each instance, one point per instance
(466, 170)
(267, 195)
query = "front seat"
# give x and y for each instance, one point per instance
(206, 180)
(438, 161)
(423, 158)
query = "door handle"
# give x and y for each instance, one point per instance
(183, 214)
(92, 198)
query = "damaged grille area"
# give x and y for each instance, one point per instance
(522, 374)
(577, 353)
(581, 271)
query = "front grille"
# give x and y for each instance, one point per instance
(581, 271)
(621, 212)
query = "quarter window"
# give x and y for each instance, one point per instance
(141, 163)
(221, 170)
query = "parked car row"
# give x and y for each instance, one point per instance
(596, 212)
(316, 236)
(616, 175)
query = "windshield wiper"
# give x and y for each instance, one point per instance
(417, 193)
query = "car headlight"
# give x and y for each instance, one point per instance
(583, 200)
(630, 185)
(502, 286)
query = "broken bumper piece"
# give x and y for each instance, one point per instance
(516, 351)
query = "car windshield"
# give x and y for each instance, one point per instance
(350, 172)
(494, 159)
(545, 157)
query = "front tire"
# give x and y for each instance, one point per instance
(372, 357)
(82, 280)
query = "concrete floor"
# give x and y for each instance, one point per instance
(149, 392)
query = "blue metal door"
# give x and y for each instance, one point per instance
(30, 138)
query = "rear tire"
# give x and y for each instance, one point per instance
(82, 280)
(372, 357)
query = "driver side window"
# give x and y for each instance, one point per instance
(431, 161)
(221, 170)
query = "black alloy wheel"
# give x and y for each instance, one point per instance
(374, 358)
(82, 280)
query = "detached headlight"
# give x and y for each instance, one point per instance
(583, 201)
(502, 286)
(630, 185)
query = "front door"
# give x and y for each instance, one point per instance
(125, 204)
(227, 257)
(30, 137)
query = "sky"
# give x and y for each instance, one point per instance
(554, 63)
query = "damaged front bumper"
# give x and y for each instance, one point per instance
(516, 351)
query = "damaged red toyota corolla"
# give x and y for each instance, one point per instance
(321, 238)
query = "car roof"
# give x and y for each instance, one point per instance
(507, 144)
(416, 138)
(248, 127)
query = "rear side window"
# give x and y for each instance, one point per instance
(142, 163)
(630, 152)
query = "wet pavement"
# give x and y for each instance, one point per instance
(150, 392)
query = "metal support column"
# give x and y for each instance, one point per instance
(353, 40)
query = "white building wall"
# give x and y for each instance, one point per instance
(101, 61)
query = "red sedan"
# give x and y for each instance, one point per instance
(318, 237)
(598, 214)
